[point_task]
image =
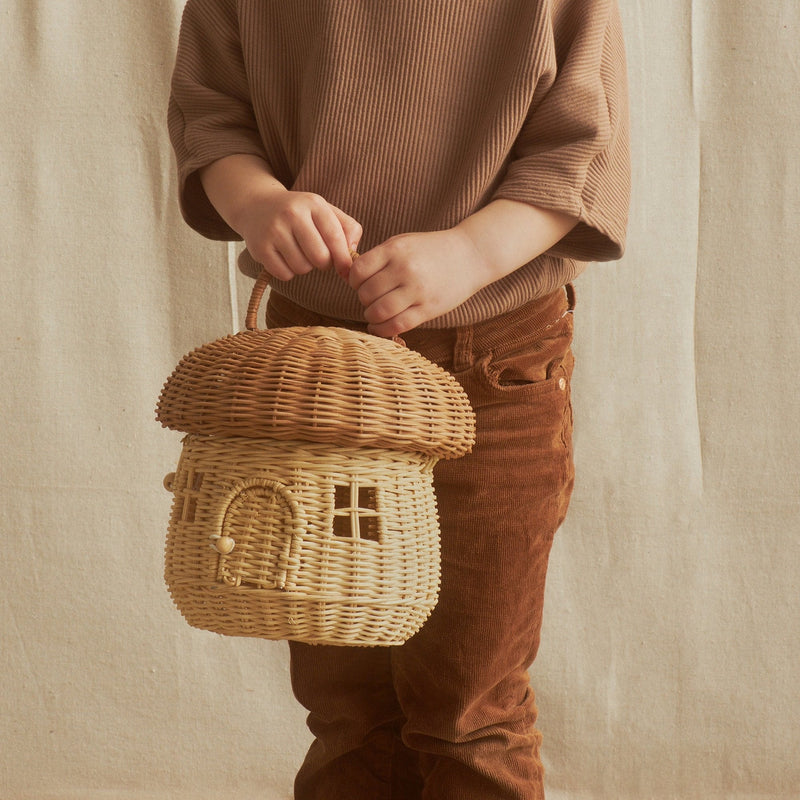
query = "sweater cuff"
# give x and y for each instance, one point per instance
(196, 208)
(601, 207)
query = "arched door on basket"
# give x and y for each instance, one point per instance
(261, 519)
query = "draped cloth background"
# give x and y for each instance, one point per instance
(669, 662)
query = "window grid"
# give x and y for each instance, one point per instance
(355, 513)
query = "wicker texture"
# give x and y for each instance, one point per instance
(303, 503)
(288, 577)
(322, 385)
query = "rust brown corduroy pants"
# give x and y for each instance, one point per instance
(450, 714)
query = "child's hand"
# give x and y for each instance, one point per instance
(415, 277)
(292, 233)
(289, 233)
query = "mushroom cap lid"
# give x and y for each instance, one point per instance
(320, 384)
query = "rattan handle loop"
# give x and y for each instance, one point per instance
(257, 295)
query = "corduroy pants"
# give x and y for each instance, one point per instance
(450, 715)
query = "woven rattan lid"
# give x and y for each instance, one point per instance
(320, 384)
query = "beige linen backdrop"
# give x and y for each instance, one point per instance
(669, 663)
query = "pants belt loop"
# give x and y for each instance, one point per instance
(570, 297)
(462, 349)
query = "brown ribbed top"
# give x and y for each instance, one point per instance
(410, 115)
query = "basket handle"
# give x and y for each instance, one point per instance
(257, 295)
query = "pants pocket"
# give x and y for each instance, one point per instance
(533, 366)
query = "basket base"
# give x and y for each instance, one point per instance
(283, 615)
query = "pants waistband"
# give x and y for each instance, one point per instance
(461, 345)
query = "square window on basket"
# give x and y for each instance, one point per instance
(303, 502)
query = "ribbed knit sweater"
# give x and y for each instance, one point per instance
(410, 115)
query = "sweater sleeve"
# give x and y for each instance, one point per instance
(210, 113)
(572, 154)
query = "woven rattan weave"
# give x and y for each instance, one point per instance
(303, 499)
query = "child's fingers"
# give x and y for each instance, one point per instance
(295, 257)
(351, 227)
(365, 267)
(407, 319)
(380, 283)
(351, 230)
(331, 240)
(276, 266)
(314, 241)
(388, 306)
(296, 243)
(302, 233)
(270, 254)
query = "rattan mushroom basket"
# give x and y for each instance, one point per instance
(303, 504)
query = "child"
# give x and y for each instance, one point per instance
(476, 154)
